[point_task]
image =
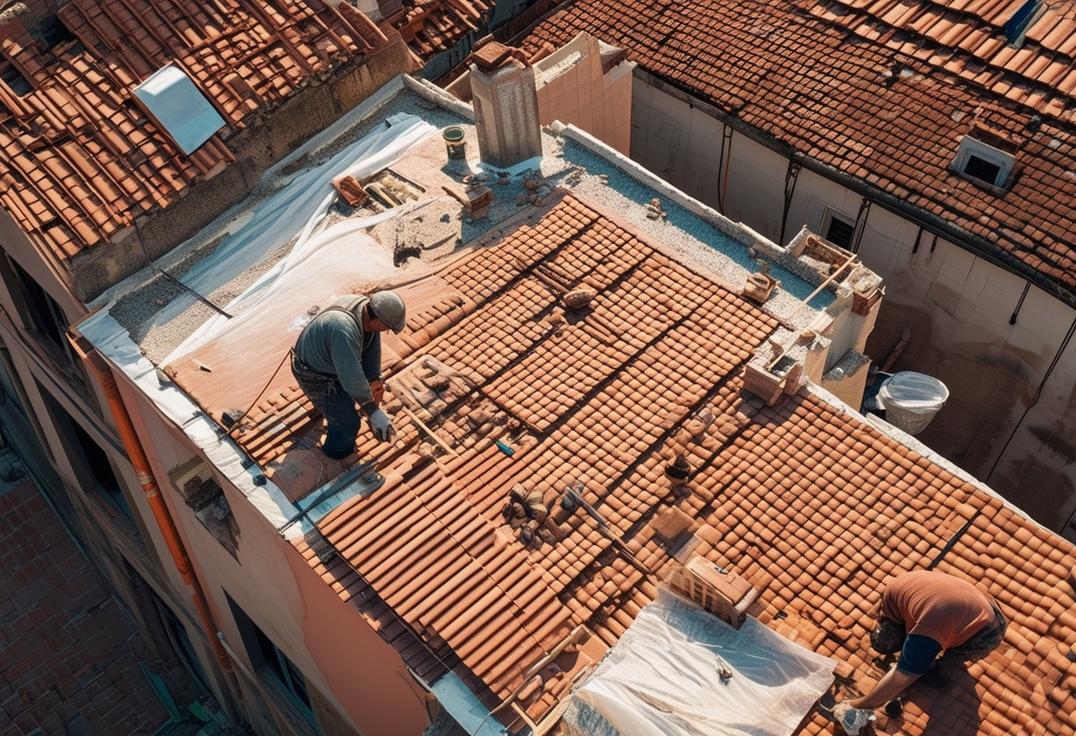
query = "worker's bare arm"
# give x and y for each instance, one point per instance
(890, 686)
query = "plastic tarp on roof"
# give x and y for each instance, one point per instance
(661, 679)
(180, 107)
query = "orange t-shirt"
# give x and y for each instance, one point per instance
(947, 609)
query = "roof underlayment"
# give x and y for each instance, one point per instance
(812, 503)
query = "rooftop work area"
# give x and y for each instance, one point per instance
(600, 379)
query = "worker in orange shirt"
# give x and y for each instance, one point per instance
(925, 614)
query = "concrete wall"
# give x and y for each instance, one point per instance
(574, 87)
(957, 305)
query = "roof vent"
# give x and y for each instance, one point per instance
(179, 108)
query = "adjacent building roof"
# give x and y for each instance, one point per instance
(80, 159)
(883, 91)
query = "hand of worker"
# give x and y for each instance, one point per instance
(377, 388)
(381, 425)
(851, 719)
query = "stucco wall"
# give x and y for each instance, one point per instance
(957, 305)
(338, 653)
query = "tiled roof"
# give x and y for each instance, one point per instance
(79, 160)
(812, 504)
(432, 26)
(882, 91)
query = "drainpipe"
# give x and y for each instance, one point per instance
(137, 456)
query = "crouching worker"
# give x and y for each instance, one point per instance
(922, 615)
(337, 362)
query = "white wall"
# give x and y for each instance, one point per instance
(957, 305)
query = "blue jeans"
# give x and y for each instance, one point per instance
(336, 405)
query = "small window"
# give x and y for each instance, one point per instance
(100, 468)
(89, 460)
(838, 229)
(984, 163)
(982, 170)
(266, 657)
(42, 311)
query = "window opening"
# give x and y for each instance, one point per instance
(101, 470)
(839, 231)
(982, 170)
(44, 313)
(267, 657)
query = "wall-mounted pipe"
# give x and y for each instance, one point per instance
(136, 454)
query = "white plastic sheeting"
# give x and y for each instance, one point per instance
(295, 208)
(294, 211)
(661, 679)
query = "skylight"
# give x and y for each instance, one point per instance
(179, 107)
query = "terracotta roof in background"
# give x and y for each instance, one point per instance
(812, 504)
(432, 26)
(79, 160)
(882, 91)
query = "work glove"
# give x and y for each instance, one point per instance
(377, 388)
(381, 425)
(852, 720)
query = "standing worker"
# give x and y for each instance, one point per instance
(923, 614)
(337, 362)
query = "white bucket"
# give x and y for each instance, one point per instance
(911, 400)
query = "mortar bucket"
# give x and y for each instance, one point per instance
(911, 400)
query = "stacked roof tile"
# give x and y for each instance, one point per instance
(882, 91)
(432, 26)
(811, 503)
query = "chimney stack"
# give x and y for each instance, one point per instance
(505, 105)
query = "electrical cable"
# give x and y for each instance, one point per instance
(265, 387)
(157, 269)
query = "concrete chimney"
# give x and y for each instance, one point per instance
(505, 105)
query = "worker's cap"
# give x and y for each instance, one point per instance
(390, 309)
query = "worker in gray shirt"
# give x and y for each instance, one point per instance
(337, 362)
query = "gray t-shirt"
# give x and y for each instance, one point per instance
(333, 343)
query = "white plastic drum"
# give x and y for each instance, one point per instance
(911, 400)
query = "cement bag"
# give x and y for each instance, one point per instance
(661, 679)
(911, 400)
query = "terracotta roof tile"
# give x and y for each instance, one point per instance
(80, 161)
(432, 26)
(882, 91)
(813, 505)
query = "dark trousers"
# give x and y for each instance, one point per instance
(336, 405)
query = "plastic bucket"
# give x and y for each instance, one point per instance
(911, 400)
(454, 143)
